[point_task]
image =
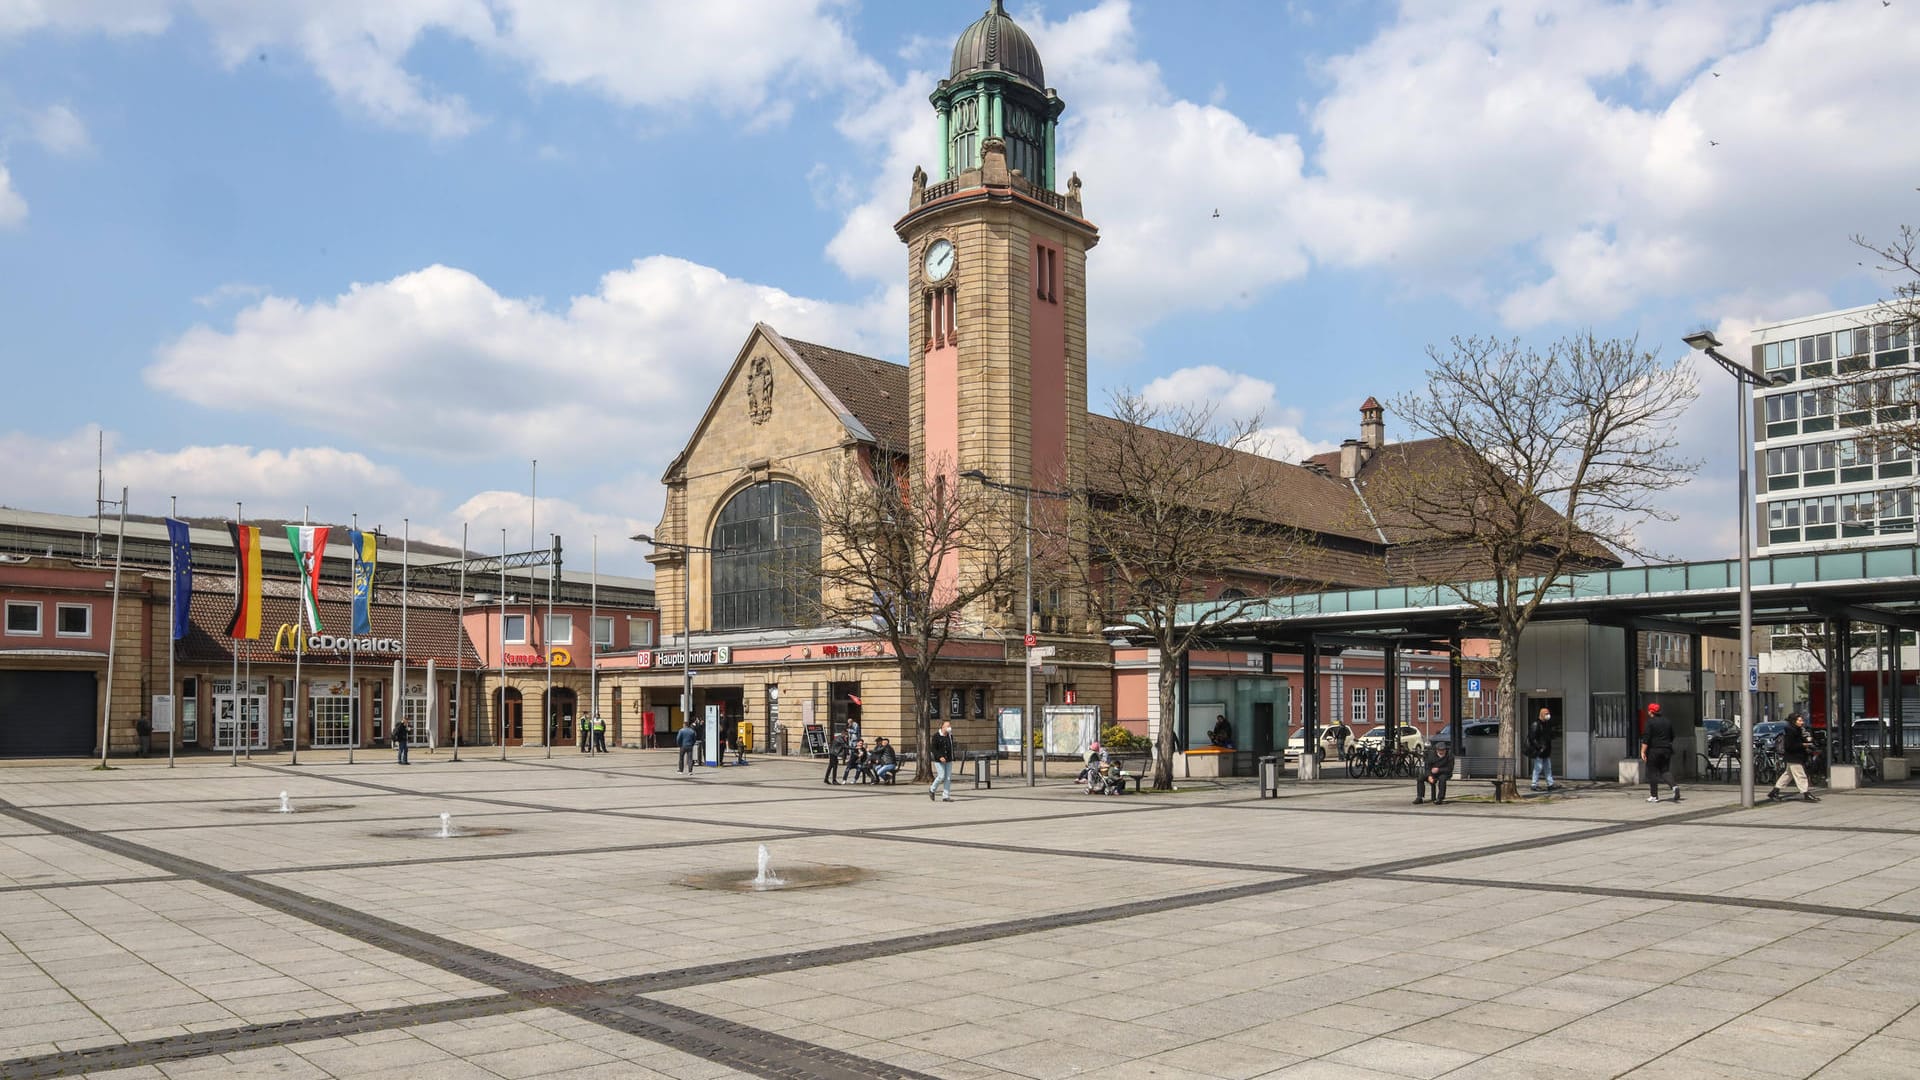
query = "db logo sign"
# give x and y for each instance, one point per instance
(560, 657)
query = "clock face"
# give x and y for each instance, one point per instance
(939, 262)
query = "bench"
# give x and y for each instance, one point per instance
(1488, 767)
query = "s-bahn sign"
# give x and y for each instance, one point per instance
(288, 639)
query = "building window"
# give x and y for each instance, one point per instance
(559, 629)
(1359, 705)
(1046, 273)
(766, 570)
(602, 633)
(189, 710)
(23, 617)
(1782, 408)
(640, 633)
(73, 620)
(1380, 704)
(514, 630)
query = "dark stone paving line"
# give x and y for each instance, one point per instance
(1111, 856)
(256, 1037)
(716, 1040)
(1878, 830)
(501, 856)
(609, 1002)
(1662, 895)
(89, 882)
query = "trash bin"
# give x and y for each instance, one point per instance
(980, 777)
(1270, 777)
(746, 737)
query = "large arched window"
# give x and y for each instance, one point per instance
(766, 571)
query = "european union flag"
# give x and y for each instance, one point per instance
(182, 576)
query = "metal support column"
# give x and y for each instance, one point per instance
(1390, 665)
(1179, 719)
(1840, 695)
(1633, 691)
(1309, 698)
(1896, 719)
(1697, 683)
(1456, 696)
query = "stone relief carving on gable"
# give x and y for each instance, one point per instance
(760, 390)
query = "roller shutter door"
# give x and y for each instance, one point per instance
(47, 713)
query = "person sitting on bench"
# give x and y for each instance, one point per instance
(1222, 733)
(1437, 770)
(856, 761)
(883, 761)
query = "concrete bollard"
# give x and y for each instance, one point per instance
(1630, 771)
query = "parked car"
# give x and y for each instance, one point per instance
(1766, 734)
(1296, 743)
(1721, 735)
(1410, 737)
(1473, 731)
(1872, 731)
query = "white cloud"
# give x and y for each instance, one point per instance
(58, 473)
(60, 130)
(1235, 396)
(486, 513)
(13, 208)
(78, 16)
(437, 362)
(229, 291)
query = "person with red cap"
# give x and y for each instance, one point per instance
(1656, 750)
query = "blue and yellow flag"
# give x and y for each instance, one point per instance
(364, 546)
(181, 557)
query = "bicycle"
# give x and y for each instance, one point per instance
(1867, 759)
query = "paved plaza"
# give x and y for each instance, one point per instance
(164, 923)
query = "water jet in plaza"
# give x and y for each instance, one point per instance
(286, 804)
(763, 879)
(446, 830)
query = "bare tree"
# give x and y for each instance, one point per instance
(1537, 464)
(906, 558)
(1171, 515)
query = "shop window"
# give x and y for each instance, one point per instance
(980, 704)
(73, 620)
(956, 704)
(764, 573)
(189, 710)
(23, 617)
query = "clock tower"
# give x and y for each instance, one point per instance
(997, 315)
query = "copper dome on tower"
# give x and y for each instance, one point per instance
(996, 43)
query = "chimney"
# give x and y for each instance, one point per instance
(1373, 425)
(1353, 454)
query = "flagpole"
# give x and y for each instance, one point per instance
(299, 619)
(546, 633)
(459, 636)
(353, 650)
(406, 547)
(501, 713)
(173, 624)
(593, 641)
(233, 645)
(533, 604)
(113, 631)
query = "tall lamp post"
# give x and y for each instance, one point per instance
(1744, 377)
(686, 618)
(1026, 494)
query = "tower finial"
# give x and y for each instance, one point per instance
(998, 8)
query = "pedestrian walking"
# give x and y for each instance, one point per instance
(1435, 774)
(685, 738)
(400, 737)
(942, 752)
(838, 750)
(1656, 750)
(1540, 748)
(1794, 747)
(599, 733)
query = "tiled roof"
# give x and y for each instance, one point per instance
(875, 390)
(433, 630)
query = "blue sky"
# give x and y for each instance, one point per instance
(373, 257)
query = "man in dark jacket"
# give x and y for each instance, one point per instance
(885, 761)
(400, 737)
(1540, 748)
(942, 753)
(686, 738)
(1794, 748)
(1436, 772)
(1656, 750)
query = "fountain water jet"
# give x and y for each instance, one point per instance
(286, 805)
(446, 826)
(766, 878)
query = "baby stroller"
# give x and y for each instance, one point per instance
(1104, 778)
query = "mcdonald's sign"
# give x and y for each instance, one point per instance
(289, 639)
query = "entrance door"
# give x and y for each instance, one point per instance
(48, 713)
(1524, 767)
(1263, 739)
(561, 710)
(245, 712)
(509, 714)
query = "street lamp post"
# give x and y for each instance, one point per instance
(686, 620)
(1744, 377)
(1026, 494)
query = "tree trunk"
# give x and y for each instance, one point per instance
(1507, 670)
(922, 727)
(1163, 741)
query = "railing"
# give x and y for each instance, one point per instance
(940, 190)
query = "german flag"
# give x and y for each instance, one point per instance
(246, 582)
